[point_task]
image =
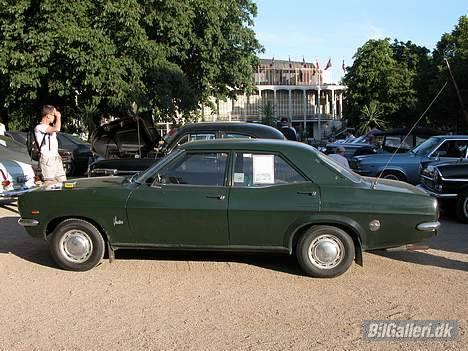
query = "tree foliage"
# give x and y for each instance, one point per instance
(169, 56)
(402, 78)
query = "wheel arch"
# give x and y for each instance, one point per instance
(393, 170)
(349, 226)
(52, 224)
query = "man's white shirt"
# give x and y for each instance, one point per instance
(43, 138)
(341, 160)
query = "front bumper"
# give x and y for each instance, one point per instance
(27, 222)
(436, 195)
(15, 193)
(428, 226)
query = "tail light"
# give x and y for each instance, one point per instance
(6, 183)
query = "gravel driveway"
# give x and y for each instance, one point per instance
(155, 300)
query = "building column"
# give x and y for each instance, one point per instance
(341, 104)
(327, 103)
(290, 104)
(319, 115)
(304, 104)
(333, 104)
(275, 113)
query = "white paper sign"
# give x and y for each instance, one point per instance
(263, 169)
(238, 177)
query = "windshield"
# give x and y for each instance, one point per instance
(426, 147)
(343, 171)
(141, 177)
(361, 139)
(75, 139)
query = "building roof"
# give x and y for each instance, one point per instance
(285, 63)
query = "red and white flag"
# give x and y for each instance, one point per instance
(328, 64)
(343, 66)
(317, 66)
(272, 63)
(304, 64)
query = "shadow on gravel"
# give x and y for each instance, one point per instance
(15, 240)
(275, 262)
(452, 237)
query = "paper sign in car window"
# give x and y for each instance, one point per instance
(263, 169)
(238, 177)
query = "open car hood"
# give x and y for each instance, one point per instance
(125, 137)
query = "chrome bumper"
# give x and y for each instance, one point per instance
(436, 195)
(428, 226)
(26, 222)
(15, 193)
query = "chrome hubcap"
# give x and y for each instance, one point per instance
(326, 251)
(465, 206)
(76, 246)
(391, 177)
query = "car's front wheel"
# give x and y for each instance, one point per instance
(325, 251)
(77, 245)
(462, 207)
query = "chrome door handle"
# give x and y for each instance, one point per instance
(219, 197)
(309, 193)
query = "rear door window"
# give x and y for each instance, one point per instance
(257, 170)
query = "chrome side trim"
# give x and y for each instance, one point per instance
(26, 222)
(16, 193)
(428, 226)
(434, 194)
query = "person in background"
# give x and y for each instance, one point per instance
(45, 135)
(349, 135)
(370, 136)
(287, 129)
(339, 157)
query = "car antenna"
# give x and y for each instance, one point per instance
(406, 136)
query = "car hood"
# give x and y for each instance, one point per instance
(385, 157)
(125, 135)
(87, 183)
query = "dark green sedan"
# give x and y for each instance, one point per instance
(232, 195)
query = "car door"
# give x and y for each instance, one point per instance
(268, 195)
(186, 204)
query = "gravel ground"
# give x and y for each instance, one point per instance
(176, 301)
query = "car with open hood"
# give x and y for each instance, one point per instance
(133, 144)
(253, 195)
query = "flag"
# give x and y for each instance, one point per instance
(290, 64)
(344, 67)
(304, 63)
(328, 64)
(317, 64)
(272, 63)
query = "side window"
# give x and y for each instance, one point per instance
(202, 136)
(452, 148)
(235, 136)
(254, 170)
(195, 169)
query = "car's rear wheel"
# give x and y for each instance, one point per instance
(77, 245)
(325, 251)
(462, 207)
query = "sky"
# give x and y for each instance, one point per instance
(319, 30)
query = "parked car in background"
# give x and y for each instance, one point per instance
(76, 153)
(16, 171)
(386, 141)
(406, 166)
(128, 147)
(232, 195)
(448, 182)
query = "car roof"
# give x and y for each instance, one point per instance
(255, 129)
(248, 144)
(460, 136)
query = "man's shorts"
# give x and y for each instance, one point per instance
(52, 168)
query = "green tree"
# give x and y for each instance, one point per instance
(371, 115)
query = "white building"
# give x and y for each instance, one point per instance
(297, 90)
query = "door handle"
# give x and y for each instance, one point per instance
(309, 193)
(219, 197)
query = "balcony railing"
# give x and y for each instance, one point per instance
(287, 76)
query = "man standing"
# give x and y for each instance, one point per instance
(45, 135)
(349, 135)
(287, 129)
(339, 158)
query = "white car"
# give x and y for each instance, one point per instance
(16, 172)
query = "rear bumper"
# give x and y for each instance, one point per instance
(436, 195)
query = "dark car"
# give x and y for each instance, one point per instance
(232, 195)
(406, 166)
(448, 182)
(131, 145)
(386, 141)
(75, 152)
